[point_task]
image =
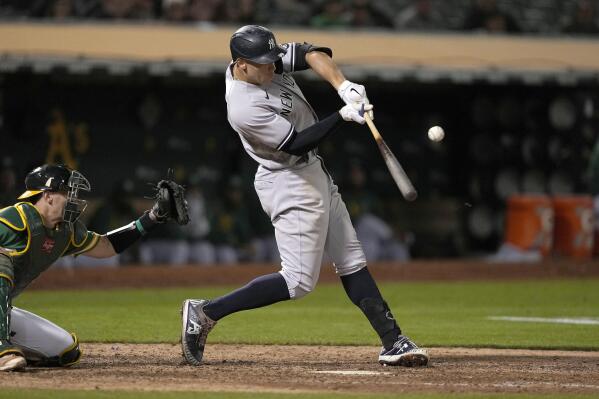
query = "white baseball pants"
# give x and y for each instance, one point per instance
(309, 218)
(37, 337)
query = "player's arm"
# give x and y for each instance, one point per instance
(170, 205)
(351, 93)
(103, 249)
(300, 142)
(116, 241)
(324, 66)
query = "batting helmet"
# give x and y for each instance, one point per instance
(257, 44)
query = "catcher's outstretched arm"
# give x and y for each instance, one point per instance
(170, 205)
(116, 241)
(103, 249)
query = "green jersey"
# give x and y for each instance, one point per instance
(28, 247)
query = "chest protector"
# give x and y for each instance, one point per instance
(44, 247)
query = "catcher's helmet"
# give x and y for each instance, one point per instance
(257, 44)
(46, 178)
(59, 178)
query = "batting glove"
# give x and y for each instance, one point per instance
(355, 112)
(352, 93)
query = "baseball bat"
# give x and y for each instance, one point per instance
(399, 175)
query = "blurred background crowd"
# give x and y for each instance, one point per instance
(123, 128)
(499, 16)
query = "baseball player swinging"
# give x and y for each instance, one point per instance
(279, 129)
(36, 232)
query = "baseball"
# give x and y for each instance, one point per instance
(436, 133)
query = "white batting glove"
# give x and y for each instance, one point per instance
(355, 112)
(352, 93)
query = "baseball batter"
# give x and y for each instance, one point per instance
(279, 129)
(36, 232)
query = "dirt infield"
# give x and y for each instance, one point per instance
(294, 369)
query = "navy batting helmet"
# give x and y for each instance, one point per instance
(257, 44)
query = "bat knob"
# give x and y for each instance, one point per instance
(411, 195)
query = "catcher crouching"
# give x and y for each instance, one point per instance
(43, 227)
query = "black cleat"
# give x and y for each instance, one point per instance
(404, 353)
(195, 329)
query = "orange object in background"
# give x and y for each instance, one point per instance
(574, 226)
(529, 223)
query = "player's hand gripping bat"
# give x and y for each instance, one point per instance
(401, 179)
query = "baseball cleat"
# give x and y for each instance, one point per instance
(12, 362)
(404, 353)
(195, 329)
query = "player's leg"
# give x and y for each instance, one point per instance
(43, 342)
(11, 357)
(350, 263)
(299, 213)
(199, 316)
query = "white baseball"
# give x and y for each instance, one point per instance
(436, 133)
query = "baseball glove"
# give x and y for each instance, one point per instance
(170, 203)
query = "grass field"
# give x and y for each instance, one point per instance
(434, 314)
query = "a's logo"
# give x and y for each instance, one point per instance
(49, 182)
(271, 43)
(194, 328)
(48, 245)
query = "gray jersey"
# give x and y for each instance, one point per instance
(299, 197)
(265, 116)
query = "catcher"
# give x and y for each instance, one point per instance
(36, 232)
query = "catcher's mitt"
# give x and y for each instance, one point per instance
(170, 202)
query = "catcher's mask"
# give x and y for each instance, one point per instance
(59, 178)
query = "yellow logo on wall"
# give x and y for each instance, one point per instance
(62, 134)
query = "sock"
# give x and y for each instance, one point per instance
(262, 291)
(364, 293)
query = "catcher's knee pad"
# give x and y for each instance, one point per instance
(66, 358)
(70, 355)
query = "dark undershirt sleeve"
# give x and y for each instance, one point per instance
(300, 143)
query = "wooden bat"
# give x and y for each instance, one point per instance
(399, 175)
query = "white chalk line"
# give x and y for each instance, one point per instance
(350, 372)
(589, 321)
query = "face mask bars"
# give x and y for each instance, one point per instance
(75, 206)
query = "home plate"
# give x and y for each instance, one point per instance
(350, 372)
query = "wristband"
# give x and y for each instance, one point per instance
(123, 237)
